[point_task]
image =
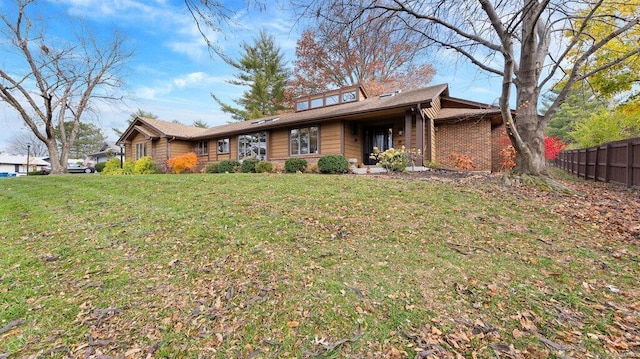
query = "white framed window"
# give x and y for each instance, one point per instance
(303, 141)
(253, 145)
(141, 150)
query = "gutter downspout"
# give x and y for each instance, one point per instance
(169, 140)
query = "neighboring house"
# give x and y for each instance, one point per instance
(17, 165)
(344, 121)
(105, 153)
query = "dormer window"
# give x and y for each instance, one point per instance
(330, 98)
(349, 96)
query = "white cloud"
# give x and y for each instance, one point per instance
(194, 80)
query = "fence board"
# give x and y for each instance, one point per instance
(615, 162)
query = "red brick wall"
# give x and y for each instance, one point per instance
(499, 140)
(470, 138)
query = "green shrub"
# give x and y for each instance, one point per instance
(333, 164)
(293, 165)
(249, 165)
(112, 167)
(146, 165)
(211, 167)
(392, 159)
(228, 166)
(129, 168)
(100, 166)
(262, 167)
(36, 173)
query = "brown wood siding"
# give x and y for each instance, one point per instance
(330, 138)
(178, 147)
(467, 138)
(278, 146)
(352, 142)
(434, 157)
(433, 110)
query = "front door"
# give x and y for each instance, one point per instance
(380, 137)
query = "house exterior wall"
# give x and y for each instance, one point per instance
(499, 141)
(177, 147)
(469, 138)
(330, 138)
(353, 141)
(278, 145)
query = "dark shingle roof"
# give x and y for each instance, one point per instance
(372, 104)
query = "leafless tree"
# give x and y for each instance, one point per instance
(214, 16)
(51, 82)
(19, 143)
(524, 43)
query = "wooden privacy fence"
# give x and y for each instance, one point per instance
(616, 162)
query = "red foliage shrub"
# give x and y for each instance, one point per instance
(552, 147)
(507, 158)
(462, 162)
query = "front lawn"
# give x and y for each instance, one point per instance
(257, 265)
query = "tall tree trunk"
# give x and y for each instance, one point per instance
(529, 127)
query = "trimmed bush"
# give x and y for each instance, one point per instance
(262, 167)
(249, 165)
(146, 165)
(293, 165)
(333, 164)
(100, 166)
(228, 166)
(37, 173)
(211, 168)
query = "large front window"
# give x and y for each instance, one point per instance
(304, 140)
(141, 150)
(252, 146)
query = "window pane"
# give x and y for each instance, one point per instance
(316, 102)
(302, 105)
(223, 146)
(304, 140)
(295, 143)
(313, 140)
(349, 96)
(253, 145)
(332, 100)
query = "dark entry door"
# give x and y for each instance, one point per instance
(381, 137)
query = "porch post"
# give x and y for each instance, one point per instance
(428, 152)
(420, 138)
(408, 124)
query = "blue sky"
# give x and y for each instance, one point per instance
(172, 73)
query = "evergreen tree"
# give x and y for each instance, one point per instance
(88, 139)
(262, 70)
(580, 104)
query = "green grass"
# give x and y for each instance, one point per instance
(278, 265)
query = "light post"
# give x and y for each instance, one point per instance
(121, 154)
(28, 155)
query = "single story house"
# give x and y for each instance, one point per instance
(345, 121)
(103, 154)
(17, 165)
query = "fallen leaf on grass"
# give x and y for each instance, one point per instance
(293, 324)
